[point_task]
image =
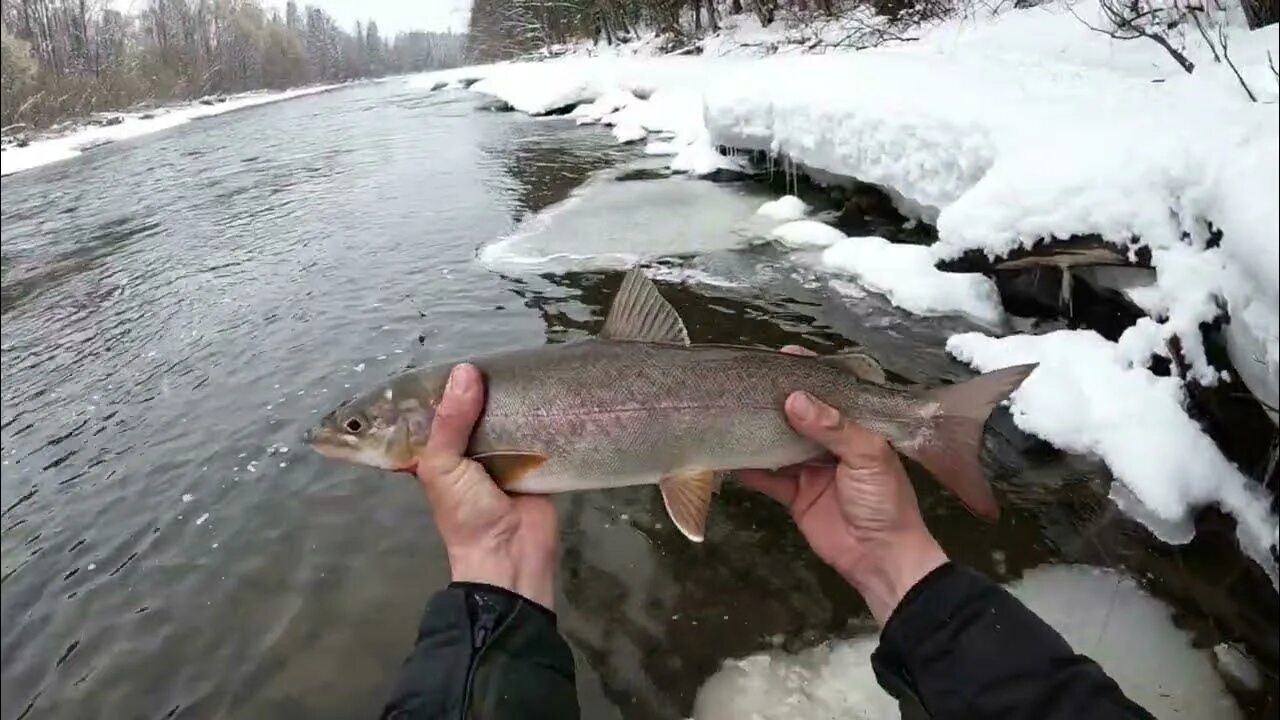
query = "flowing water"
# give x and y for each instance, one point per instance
(177, 309)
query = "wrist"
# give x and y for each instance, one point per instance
(530, 577)
(883, 575)
(481, 567)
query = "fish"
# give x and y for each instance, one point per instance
(639, 404)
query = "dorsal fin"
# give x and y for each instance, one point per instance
(863, 366)
(640, 314)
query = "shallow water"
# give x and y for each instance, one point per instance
(177, 308)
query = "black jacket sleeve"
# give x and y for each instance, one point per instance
(485, 652)
(963, 647)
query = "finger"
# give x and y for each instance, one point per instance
(853, 444)
(779, 487)
(797, 350)
(456, 415)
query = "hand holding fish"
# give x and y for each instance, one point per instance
(491, 537)
(860, 516)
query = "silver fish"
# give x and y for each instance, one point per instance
(640, 405)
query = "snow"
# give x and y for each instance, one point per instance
(906, 275)
(1088, 398)
(43, 152)
(1005, 130)
(1101, 613)
(1030, 126)
(699, 158)
(606, 104)
(787, 207)
(806, 233)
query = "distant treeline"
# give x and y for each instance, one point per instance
(501, 29)
(63, 59)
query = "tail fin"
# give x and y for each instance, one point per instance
(951, 450)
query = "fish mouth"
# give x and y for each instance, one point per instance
(340, 446)
(328, 443)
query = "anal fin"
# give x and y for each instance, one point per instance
(687, 496)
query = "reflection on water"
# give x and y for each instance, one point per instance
(177, 310)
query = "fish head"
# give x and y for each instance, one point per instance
(383, 428)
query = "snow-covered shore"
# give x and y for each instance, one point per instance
(46, 150)
(1006, 132)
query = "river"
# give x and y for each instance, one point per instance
(178, 308)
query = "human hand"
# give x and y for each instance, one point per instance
(491, 537)
(861, 515)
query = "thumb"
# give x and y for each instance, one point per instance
(455, 417)
(854, 445)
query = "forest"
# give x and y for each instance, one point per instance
(67, 59)
(501, 29)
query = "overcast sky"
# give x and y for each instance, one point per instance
(395, 16)
(392, 16)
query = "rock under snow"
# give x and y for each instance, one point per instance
(906, 275)
(806, 233)
(787, 207)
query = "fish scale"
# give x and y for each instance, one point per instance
(640, 405)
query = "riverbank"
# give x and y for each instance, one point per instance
(1010, 134)
(69, 140)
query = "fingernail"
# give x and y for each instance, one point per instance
(460, 382)
(803, 406)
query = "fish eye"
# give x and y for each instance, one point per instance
(353, 424)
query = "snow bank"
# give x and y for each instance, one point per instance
(1005, 131)
(1088, 397)
(787, 207)
(807, 233)
(1103, 614)
(906, 275)
(1030, 126)
(44, 152)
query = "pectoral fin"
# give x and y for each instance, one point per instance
(687, 496)
(507, 467)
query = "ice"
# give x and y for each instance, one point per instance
(44, 152)
(1234, 664)
(906, 275)
(787, 207)
(1088, 398)
(605, 224)
(807, 233)
(1103, 614)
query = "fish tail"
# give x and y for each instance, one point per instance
(950, 447)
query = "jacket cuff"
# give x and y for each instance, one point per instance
(506, 598)
(926, 607)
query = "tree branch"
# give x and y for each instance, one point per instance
(1222, 40)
